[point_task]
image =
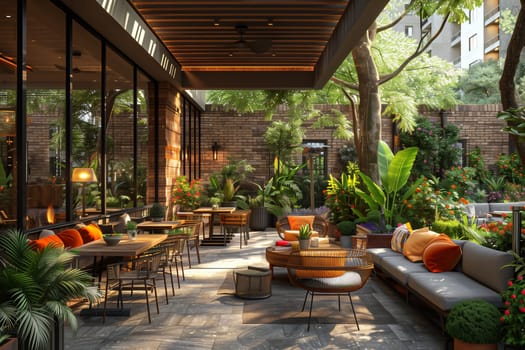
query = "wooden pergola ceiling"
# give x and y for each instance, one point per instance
(253, 44)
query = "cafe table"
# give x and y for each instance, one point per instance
(125, 248)
(158, 226)
(213, 212)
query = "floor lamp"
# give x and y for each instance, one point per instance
(83, 176)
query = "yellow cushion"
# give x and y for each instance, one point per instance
(296, 222)
(293, 235)
(416, 243)
(441, 254)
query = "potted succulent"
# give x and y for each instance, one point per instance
(347, 230)
(157, 212)
(36, 289)
(474, 324)
(215, 202)
(131, 227)
(305, 233)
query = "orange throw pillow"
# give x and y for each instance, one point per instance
(71, 238)
(296, 222)
(90, 233)
(416, 243)
(441, 254)
(54, 240)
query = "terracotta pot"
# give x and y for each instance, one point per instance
(10, 344)
(461, 345)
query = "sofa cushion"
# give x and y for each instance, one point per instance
(485, 265)
(296, 222)
(416, 243)
(378, 254)
(444, 290)
(90, 233)
(41, 243)
(399, 237)
(400, 268)
(71, 238)
(441, 254)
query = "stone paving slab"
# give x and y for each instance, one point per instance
(202, 316)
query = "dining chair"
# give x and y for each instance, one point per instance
(192, 228)
(329, 272)
(144, 270)
(238, 220)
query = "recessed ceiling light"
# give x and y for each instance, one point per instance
(269, 23)
(8, 16)
(216, 22)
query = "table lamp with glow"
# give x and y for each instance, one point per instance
(83, 176)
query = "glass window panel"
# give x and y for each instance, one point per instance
(145, 89)
(45, 114)
(86, 116)
(7, 113)
(119, 133)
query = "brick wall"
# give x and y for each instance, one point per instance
(241, 136)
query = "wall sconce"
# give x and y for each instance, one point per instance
(83, 176)
(215, 150)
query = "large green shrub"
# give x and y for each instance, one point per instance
(474, 321)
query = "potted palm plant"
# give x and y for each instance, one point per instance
(474, 324)
(36, 289)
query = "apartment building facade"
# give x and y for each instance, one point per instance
(478, 39)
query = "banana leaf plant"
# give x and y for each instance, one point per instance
(385, 200)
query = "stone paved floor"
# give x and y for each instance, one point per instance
(198, 317)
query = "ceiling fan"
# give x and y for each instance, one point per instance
(258, 46)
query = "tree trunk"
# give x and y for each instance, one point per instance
(369, 128)
(507, 85)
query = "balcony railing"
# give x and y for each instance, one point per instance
(491, 41)
(491, 13)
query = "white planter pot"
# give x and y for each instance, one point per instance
(304, 244)
(345, 241)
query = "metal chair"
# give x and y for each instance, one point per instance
(144, 269)
(329, 272)
(238, 220)
(193, 229)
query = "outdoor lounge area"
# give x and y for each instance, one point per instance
(205, 313)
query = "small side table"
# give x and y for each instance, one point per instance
(253, 283)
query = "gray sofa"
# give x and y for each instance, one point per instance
(478, 275)
(481, 212)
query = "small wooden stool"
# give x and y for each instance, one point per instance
(253, 283)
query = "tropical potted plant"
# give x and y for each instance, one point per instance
(347, 230)
(385, 200)
(305, 233)
(226, 183)
(474, 324)
(157, 212)
(187, 194)
(131, 227)
(36, 289)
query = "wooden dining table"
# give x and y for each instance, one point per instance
(158, 226)
(213, 212)
(125, 248)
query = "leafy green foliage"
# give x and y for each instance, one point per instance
(514, 315)
(386, 199)
(437, 150)
(346, 227)
(340, 194)
(474, 321)
(36, 287)
(480, 85)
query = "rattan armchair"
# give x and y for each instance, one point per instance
(329, 272)
(320, 225)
